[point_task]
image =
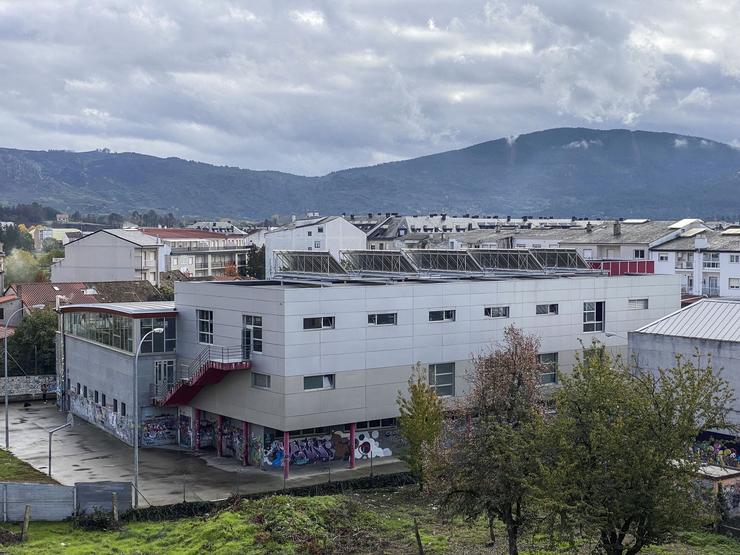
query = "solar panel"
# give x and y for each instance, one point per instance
(443, 260)
(506, 259)
(551, 259)
(377, 261)
(307, 262)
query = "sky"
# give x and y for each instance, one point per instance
(314, 86)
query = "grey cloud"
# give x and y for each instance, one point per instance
(313, 86)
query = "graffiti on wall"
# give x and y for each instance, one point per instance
(103, 417)
(256, 451)
(158, 430)
(367, 445)
(186, 432)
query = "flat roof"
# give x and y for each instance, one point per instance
(134, 310)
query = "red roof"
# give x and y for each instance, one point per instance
(46, 293)
(7, 298)
(181, 233)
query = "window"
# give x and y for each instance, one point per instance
(158, 342)
(95, 398)
(638, 253)
(318, 382)
(549, 361)
(2, 314)
(496, 311)
(663, 257)
(205, 326)
(317, 244)
(588, 253)
(441, 315)
(638, 304)
(734, 283)
(383, 319)
(442, 378)
(593, 316)
(99, 327)
(318, 323)
(320, 229)
(164, 372)
(262, 380)
(123, 409)
(734, 259)
(310, 233)
(84, 392)
(547, 309)
(174, 261)
(103, 400)
(254, 324)
(115, 405)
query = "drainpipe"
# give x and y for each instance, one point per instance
(352, 434)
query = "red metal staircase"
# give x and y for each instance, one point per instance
(208, 368)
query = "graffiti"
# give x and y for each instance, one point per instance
(103, 417)
(158, 430)
(186, 433)
(207, 434)
(231, 438)
(256, 451)
(367, 446)
(274, 455)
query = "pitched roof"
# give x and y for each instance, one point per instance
(716, 241)
(630, 233)
(91, 292)
(125, 291)
(715, 319)
(133, 236)
(45, 292)
(180, 233)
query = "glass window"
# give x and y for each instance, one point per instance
(325, 381)
(593, 316)
(735, 258)
(549, 362)
(547, 309)
(441, 315)
(639, 253)
(101, 327)
(103, 399)
(320, 229)
(382, 319)
(734, 283)
(159, 342)
(442, 378)
(84, 392)
(663, 256)
(95, 396)
(318, 323)
(254, 324)
(496, 311)
(317, 244)
(638, 304)
(262, 380)
(123, 409)
(205, 326)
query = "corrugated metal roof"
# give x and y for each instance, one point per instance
(715, 319)
(123, 308)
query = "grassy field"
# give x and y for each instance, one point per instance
(15, 470)
(380, 521)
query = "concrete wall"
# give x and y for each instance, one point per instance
(28, 387)
(659, 351)
(371, 363)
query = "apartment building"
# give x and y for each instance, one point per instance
(269, 371)
(325, 234)
(111, 255)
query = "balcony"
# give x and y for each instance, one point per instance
(684, 265)
(208, 368)
(711, 265)
(710, 291)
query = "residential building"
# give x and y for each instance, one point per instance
(326, 234)
(706, 332)
(63, 235)
(223, 226)
(260, 370)
(51, 294)
(111, 255)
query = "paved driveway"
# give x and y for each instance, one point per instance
(86, 453)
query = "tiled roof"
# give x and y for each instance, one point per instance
(133, 236)
(716, 241)
(715, 319)
(91, 292)
(7, 298)
(180, 233)
(45, 293)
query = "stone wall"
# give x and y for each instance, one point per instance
(29, 387)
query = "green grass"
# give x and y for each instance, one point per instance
(13, 469)
(380, 521)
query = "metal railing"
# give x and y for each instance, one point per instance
(680, 265)
(710, 291)
(710, 265)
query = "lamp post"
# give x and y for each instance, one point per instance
(7, 386)
(136, 414)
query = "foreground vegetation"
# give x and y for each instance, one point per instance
(380, 521)
(13, 469)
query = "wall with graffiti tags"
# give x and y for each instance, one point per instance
(103, 417)
(159, 430)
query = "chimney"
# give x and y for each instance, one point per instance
(444, 216)
(589, 227)
(369, 215)
(617, 228)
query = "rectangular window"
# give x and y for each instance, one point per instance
(205, 326)
(318, 323)
(593, 316)
(588, 253)
(320, 229)
(325, 381)
(549, 362)
(638, 253)
(84, 392)
(2, 314)
(254, 324)
(734, 283)
(317, 244)
(496, 311)
(441, 315)
(663, 257)
(115, 405)
(547, 309)
(123, 409)
(382, 319)
(158, 342)
(174, 261)
(79, 389)
(735, 258)
(95, 397)
(103, 400)
(310, 233)
(638, 304)
(164, 373)
(442, 378)
(261, 380)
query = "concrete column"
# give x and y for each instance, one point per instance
(286, 455)
(219, 435)
(352, 434)
(196, 428)
(245, 436)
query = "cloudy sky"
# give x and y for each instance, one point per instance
(314, 86)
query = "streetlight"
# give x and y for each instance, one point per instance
(136, 414)
(7, 386)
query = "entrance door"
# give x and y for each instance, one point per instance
(164, 375)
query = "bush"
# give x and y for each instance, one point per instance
(97, 520)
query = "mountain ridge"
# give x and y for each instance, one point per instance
(561, 171)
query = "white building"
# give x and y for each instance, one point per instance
(328, 234)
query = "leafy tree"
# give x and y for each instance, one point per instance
(491, 463)
(22, 267)
(230, 269)
(32, 346)
(620, 463)
(420, 421)
(15, 237)
(256, 262)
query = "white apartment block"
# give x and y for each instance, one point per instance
(264, 367)
(324, 234)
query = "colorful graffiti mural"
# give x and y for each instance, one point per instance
(103, 417)
(158, 430)
(186, 432)
(367, 445)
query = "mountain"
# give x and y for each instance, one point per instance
(564, 172)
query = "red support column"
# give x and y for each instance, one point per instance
(286, 455)
(245, 440)
(219, 435)
(352, 434)
(196, 428)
